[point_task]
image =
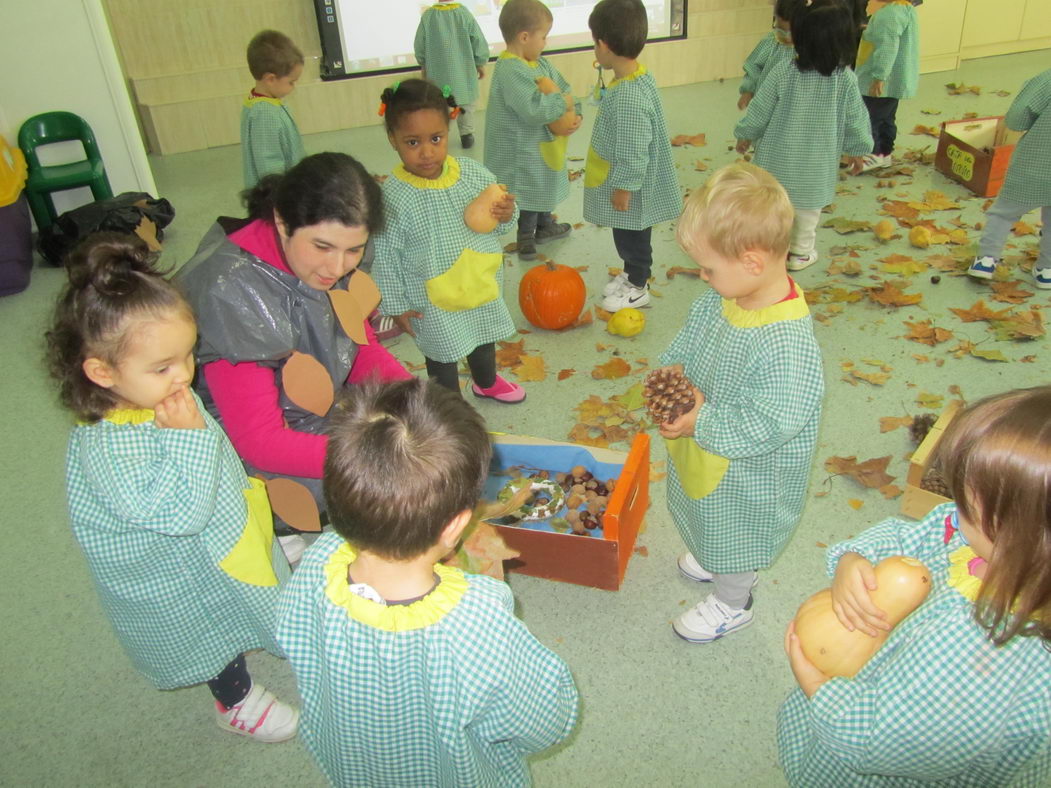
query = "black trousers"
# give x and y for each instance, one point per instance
(882, 111)
(231, 686)
(481, 361)
(636, 251)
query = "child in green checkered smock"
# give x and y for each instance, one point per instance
(178, 540)
(806, 113)
(452, 51)
(441, 281)
(888, 69)
(772, 49)
(270, 141)
(740, 459)
(413, 673)
(960, 692)
(520, 149)
(1027, 185)
(629, 178)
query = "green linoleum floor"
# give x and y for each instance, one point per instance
(655, 710)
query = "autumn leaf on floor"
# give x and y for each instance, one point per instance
(830, 294)
(902, 265)
(875, 378)
(889, 491)
(585, 318)
(700, 166)
(614, 368)
(509, 354)
(958, 89)
(602, 422)
(1019, 326)
(632, 399)
(511, 248)
(979, 311)
(899, 209)
(931, 111)
(848, 268)
(927, 400)
(843, 225)
(1023, 228)
(855, 503)
(930, 131)
(696, 140)
(684, 271)
(574, 174)
(565, 373)
(891, 294)
(602, 314)
(989, 355)
(934, 200)
(926, 333)
(870, 473)
(890, 423)
(530, 369)
(1010, 292)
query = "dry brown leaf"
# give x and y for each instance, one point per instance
(700, 166)
(979, 311)
(683, 270)
(1010, 292)
(870, 473)
(891, 294)
(890, 491)
(890, 423)
(531, 368)
(930, 131)
(855, 503)
(614, 368)
(565, 373)
(926, 333)
(696, 140)
(1020, 325)
(509, 354)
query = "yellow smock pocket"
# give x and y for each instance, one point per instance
(596, 170)
(699, 471)
(553, 153)
(250, 559)
(469, 283)
(865, 50)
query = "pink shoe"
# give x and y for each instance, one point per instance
(501, 390)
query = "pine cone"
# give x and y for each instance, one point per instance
(934, 482)
(668, 394)
(920, 426)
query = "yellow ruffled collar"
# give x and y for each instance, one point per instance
(452, 585)
(130, 416)
(450, 175)
(792, 309)
(505, 55)
(268, 99)
(633, 75)
(961, 561)
(445, 6)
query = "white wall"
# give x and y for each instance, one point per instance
(59, 55)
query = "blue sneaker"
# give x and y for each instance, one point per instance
(711, 620)
(1042, 278)
(983, 267)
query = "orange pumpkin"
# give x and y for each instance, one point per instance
(478, 215)
(564, 125)
(901, 586)
(551, 295)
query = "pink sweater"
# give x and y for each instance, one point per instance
(246, 394)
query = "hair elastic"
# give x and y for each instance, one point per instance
(383, 105)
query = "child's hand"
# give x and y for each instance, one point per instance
(876, 88)
(857, 164)
(850, 595)
(504, 208)
(743, 146)
(576, 125)
(809, 677)
(745, 100)
(621, 199)
(686, 424)
(403, 323)
(178, 411)
(481, 72)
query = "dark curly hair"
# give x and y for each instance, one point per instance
(111, 283)
(325, 187)
(412, 95)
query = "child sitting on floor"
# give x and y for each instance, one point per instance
(411, 672)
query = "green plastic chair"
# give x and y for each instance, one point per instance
(48, 128)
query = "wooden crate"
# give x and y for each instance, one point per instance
(917, 502)
(976, 153)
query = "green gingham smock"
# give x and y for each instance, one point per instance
(155, 511)
(451, 690)
(270, 141)
(520, 149)
(422, 237)
(767, 54)
(803, 122)
(890, 51)
(761, 376)
(938, 704)
(1028, 180)
(450, 47)
(630, 149)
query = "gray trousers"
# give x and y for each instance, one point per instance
(465, 120)
(999, 220)
(734, 589)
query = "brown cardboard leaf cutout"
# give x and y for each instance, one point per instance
(293, 503)
(353, 305)
(307, 383)
(870, 473)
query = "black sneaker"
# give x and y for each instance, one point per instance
(466, 141)
(553, 231)
(526, 247)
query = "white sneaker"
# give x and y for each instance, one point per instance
(1042, 278)
(711, 620)
(615, 284)
(692, 570)
(984, 267)
(876, 161)
(797, 262)
(636, 297)
(260, 716)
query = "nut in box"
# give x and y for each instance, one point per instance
(924, 489)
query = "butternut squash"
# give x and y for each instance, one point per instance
(902, 585)
(563, 125)
(478, 215)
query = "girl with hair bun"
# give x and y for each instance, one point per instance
(178, 540)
